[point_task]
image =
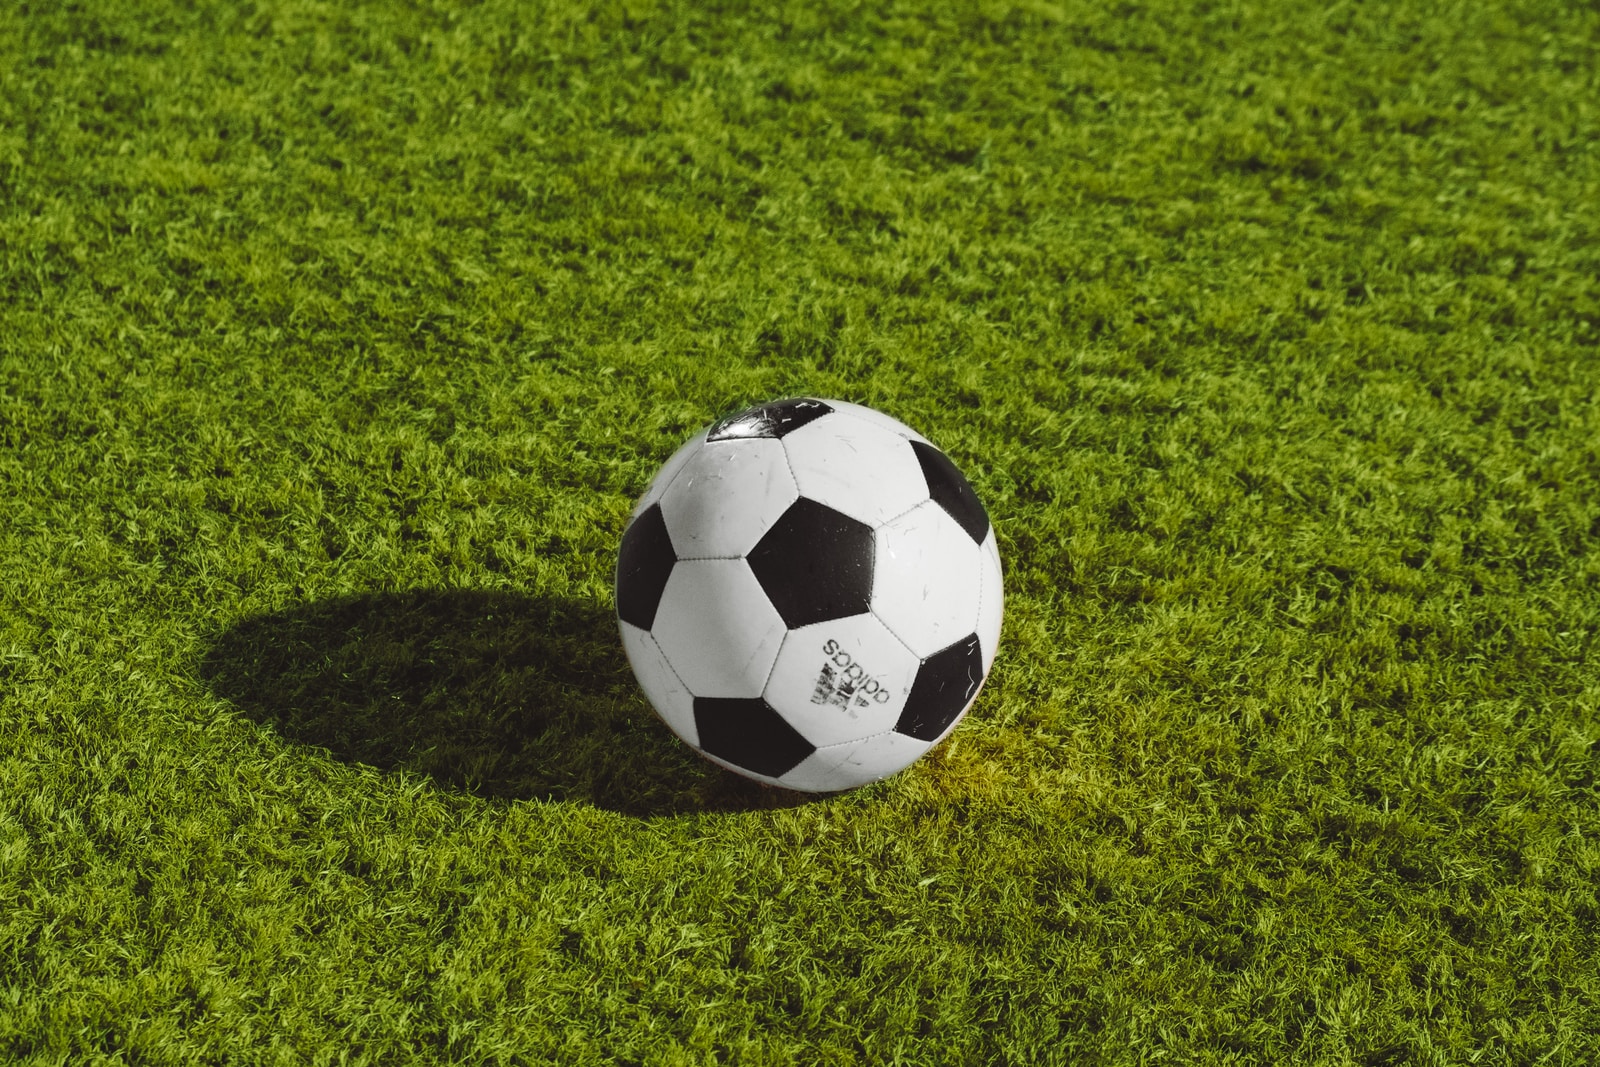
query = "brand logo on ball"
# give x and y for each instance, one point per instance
(844, 683)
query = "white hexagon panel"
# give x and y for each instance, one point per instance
(878, 419)
(660, 682)
(842, 680)
(991, 599)
(726, 496)
(864, 471)
(669, 470)
(926, 579)
(859, 762)
(814, 774)
(717, 628)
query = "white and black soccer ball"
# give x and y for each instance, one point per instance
(809, 594)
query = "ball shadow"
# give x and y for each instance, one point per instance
(497, 694)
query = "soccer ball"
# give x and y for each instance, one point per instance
(809, 594)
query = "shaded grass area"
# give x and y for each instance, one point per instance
(486, 691)
(337, 340)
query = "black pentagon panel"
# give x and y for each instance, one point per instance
(644, 563)
(946, 682)
(951, 490)
(769, 420)
(815, 564)
(748, 733)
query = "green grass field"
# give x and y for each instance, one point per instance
(338, 338)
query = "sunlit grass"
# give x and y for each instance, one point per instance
(336, 342)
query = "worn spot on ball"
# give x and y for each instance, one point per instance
(769, 420)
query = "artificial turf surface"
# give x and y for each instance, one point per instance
(336, 341)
